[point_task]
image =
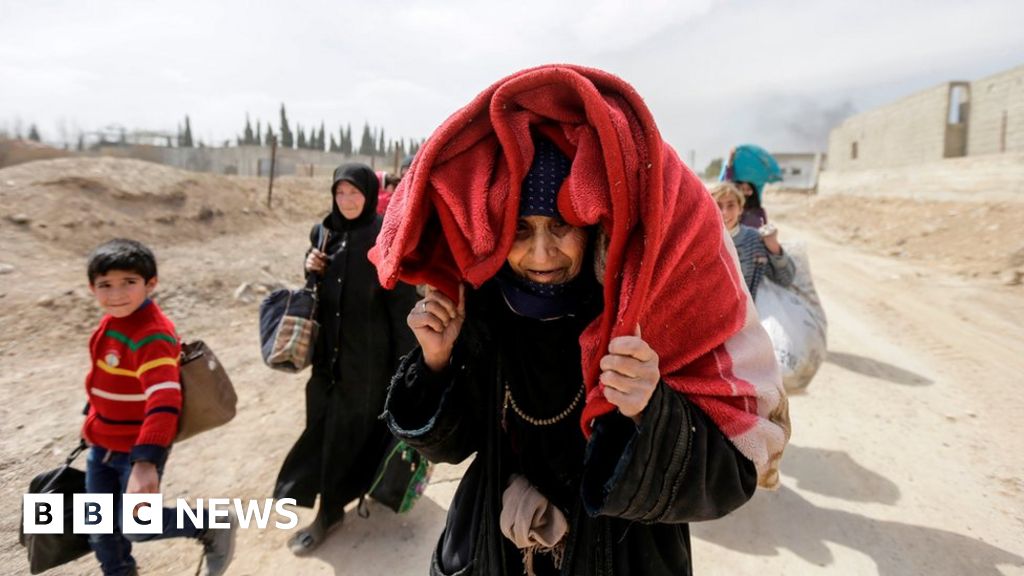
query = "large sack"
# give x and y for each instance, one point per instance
(795, 322)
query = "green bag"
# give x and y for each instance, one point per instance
(401, 478)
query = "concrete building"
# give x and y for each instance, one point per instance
(959, 140)
(952, 120)
(799, 169)
(996, 119)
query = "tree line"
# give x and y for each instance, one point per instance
(371, 143)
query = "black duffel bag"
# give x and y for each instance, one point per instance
(47, 551)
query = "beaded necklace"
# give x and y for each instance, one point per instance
(510, 401)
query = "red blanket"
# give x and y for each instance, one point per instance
(668, 265)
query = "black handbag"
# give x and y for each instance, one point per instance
(288, 326)
(47, 551)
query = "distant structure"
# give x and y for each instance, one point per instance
(952, 120)
(958, 141)
(799, 169)
(243, 160)
(116, 135)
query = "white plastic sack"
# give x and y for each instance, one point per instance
(795, 322)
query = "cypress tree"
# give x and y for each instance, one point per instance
(286, 132)
(366, 145)
(247, 137)
(346, 147)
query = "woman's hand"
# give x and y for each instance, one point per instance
(630, 373)
(316, 261)
(436, 322)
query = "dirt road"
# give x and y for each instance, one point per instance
(904, 457)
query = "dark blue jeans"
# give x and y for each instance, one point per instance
(107, 472)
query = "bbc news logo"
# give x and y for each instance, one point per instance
(144, 513)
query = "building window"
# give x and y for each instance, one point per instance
(959, 101)
(853, 151)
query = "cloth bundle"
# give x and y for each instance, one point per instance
(532, 522)
(666, 263)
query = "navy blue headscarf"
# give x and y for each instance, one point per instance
(539, 197)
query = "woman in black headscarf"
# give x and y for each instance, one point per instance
(362, 336)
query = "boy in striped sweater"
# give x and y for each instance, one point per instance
(759, 250)
(134, 396)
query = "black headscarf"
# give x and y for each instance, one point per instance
(363, 178)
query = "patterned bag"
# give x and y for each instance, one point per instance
(288, 326)
(401, 478)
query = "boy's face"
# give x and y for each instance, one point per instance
(730, 208)
(121, 292)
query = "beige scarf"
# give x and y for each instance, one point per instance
(531, 522)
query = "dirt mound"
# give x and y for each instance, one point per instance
(53, 212)
(969, 238)
(19, 151)
(75, 203)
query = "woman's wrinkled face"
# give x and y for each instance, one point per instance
(547, 250)
(349, 199)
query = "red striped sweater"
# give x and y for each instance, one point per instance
(133, 386)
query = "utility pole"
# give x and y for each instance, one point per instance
(273, 161)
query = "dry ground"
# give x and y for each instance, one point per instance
(903, 459)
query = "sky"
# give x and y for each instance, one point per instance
(715, 73)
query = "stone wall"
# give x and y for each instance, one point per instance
(245, 160)
(910, 131)
(996, 121)
(989, 178)
(951, 120)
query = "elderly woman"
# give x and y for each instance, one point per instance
(362, 335)
(499, 374)
(589, 342)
